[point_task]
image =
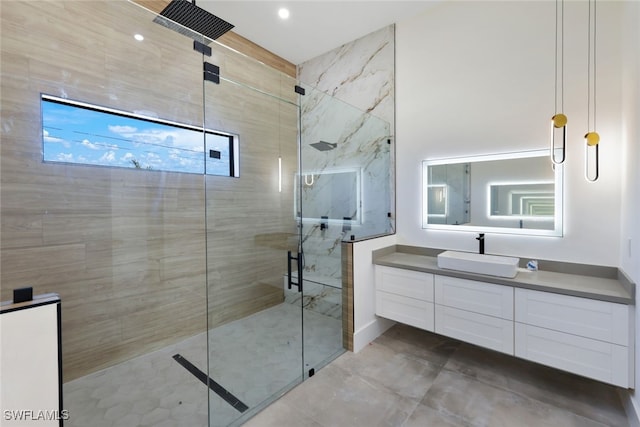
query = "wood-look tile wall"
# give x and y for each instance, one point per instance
(126, 249)
(347, 295)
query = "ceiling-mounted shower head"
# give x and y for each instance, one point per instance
(194, 22)
(323, 145)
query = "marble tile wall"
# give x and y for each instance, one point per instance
(360, 73)
(351, 105)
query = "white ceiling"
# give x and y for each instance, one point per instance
(314, 26)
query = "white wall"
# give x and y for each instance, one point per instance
(478, 78)
(367, 326)
(630, 222)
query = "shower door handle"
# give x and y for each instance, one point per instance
(298, 259)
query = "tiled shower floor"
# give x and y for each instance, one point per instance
(252, 358)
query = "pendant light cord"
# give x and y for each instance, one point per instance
(589, 65)
(559, 48)
(555, 64)
(562, 60)
(595, 75)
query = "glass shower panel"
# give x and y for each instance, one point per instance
(345, 191)
(350, 149)
(255, 336)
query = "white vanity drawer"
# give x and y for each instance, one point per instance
(486, 331)
(407, 283)
(601, 320)
(478, 297)
(411, 311)
(583, 356)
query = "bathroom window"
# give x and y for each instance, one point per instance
(80, 133)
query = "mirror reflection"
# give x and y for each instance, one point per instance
(331, 195)
(523, 200)
(448, 193)
(509, 193)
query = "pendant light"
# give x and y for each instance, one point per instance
(592, 139)
(559, 120)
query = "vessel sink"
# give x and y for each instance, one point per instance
(492, 265)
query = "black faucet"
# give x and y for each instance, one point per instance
(480, 240)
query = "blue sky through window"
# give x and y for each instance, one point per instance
(90, 135)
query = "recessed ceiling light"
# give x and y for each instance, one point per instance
(139, 37)
(283, 13)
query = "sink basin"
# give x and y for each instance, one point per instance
(492, 265)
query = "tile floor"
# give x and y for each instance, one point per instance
(253, 358)
(409, 377)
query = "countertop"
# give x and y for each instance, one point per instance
(618, 290)
(38, 300)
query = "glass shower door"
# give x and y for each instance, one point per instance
(288, 178)
(255, 335)
(345, 193)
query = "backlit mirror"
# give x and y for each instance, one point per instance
(518, 193)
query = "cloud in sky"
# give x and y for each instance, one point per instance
(90, 145)
(65, 157)
(108, 157)
(122, 130)
(181, 139)
(127, 157)
(54, 140)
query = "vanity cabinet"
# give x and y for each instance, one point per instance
(405, 296)
(585, 336)
(476, 312)
(579, 335)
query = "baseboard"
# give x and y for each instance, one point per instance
(365, 335)
(630, 408)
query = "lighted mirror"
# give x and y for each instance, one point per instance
(518, 193)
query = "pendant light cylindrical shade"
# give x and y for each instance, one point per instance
(591, 157)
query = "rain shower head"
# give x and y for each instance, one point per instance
(323, 146)
(192, 21)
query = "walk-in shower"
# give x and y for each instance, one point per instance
(165, 215)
